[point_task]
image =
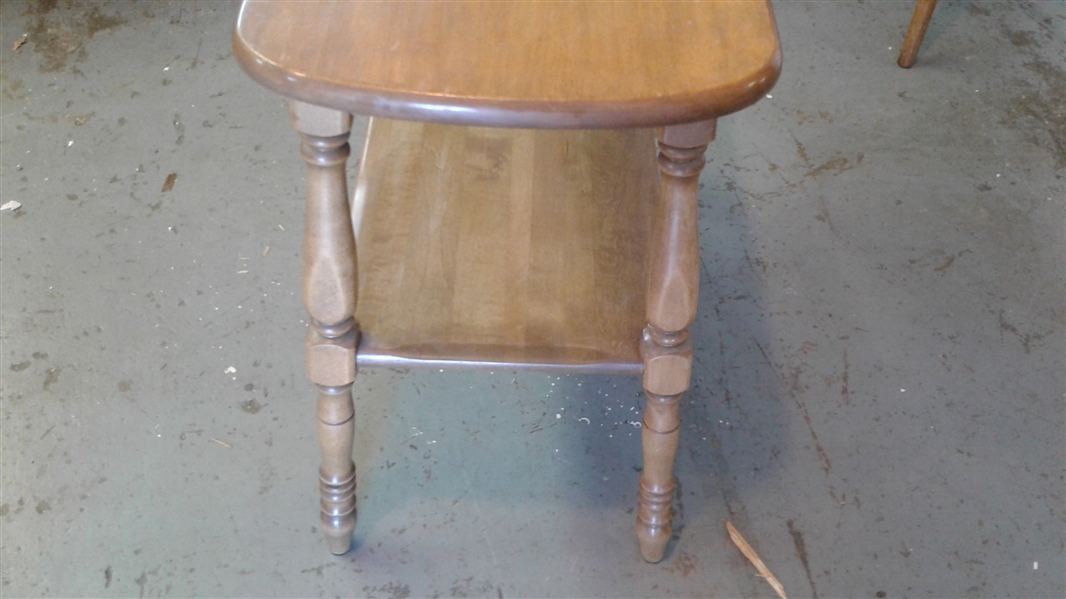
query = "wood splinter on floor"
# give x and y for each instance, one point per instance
(755, 560)
(169, 183)
(223, 443)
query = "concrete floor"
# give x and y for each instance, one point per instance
(878, 400)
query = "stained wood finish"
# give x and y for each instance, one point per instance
(330, 296)
(503, 247)
(518, 248)
(515, 64)
(923, 13)
(672, 293)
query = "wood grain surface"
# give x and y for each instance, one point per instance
(494, 246)
(329, 295)
(568, 64)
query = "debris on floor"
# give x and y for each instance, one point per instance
(169, 183)
(755, 560)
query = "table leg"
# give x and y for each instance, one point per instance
(673, 288)
(330, 295)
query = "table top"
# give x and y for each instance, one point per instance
(537, 64)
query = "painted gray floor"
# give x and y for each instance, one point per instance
(878, 400)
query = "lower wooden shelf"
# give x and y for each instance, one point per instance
(503, 248)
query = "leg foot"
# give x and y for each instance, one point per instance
(659, 438)
(338, 511)
(339, 545)
(336, 422)
(653, 521)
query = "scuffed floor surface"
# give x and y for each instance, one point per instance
(878, 394)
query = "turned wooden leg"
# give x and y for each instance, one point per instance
(330, 296)
(673, 289)
(923, 13)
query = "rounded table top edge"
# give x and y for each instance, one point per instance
(520, 114)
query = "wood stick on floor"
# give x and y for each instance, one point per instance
(755, 560)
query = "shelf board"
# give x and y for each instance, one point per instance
(503, 247)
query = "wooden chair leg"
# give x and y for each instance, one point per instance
(923, 13)
(673, 290)
(330, 295)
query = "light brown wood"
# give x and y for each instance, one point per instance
(336, 427)
(494, 246)
(515, 64)
(923, 13)
(672, 295)
(330, 295)
(673, 282)
(657, 485)
(667, 361)
(690, 135)
(755, 560)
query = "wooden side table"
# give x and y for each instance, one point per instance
(508, 211)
